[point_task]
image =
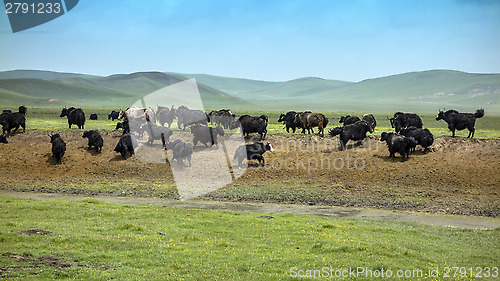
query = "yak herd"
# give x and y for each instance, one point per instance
(408, 129)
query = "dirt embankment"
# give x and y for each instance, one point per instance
(457, 176)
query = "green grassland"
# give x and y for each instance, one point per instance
(92, 240)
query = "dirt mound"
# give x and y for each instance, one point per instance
(457, 176)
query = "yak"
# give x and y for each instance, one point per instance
(125, 145)
(288, 120)
(75, 116)
(309, 120)
(187, 117)
(181, 151)
(402, 120)
(94, 138)
(13, 120)
(58, 147)
(252, 151)
(460, 121)
(348, 120)
(355, 132)
(205, 134)
(423, 137)
(398, 143)
(252, 124)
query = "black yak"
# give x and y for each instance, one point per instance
(460, 121)
(58, 147)
(252, 151)
(125, 145)
(355, 132)
(94, 138)
(75, 116)
(398, 143)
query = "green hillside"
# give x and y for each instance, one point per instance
(425, 91)
(233, 86)
(42, 74)
(113, 91)
(308, 86)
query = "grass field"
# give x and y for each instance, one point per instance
(47, 118)
(92, 240)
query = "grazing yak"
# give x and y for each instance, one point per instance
(125, 145)
(348, 120)
(423, 137)
(402, 120)
(460, 121)
(114, 115)
(252, 124)
(205, 134)
(75, 116)
(355, 132)
(289, 121)
(398, 143)
(308, 120)
(93, 116)
(187, 117)
(3, 139)
(222, 117)
(156, 132)
(94, 138)
(252, 151)
(58, 147)
(181, 151)
(165, 115)
(13, 120)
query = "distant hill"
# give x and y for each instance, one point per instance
(118, 90)
(41, 74)
(425, 91)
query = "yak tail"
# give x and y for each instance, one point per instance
(479, 113)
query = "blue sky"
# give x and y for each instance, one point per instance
(273, 40)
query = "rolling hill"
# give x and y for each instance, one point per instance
(119, 90)
(232, 86)
(425, 91)
(41, 74)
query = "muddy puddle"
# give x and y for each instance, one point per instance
(458, 221)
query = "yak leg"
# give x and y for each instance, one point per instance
(471, 132)
(262, 162)
(342, 143)
(452, 129)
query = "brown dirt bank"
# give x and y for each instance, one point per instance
(459, 176)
